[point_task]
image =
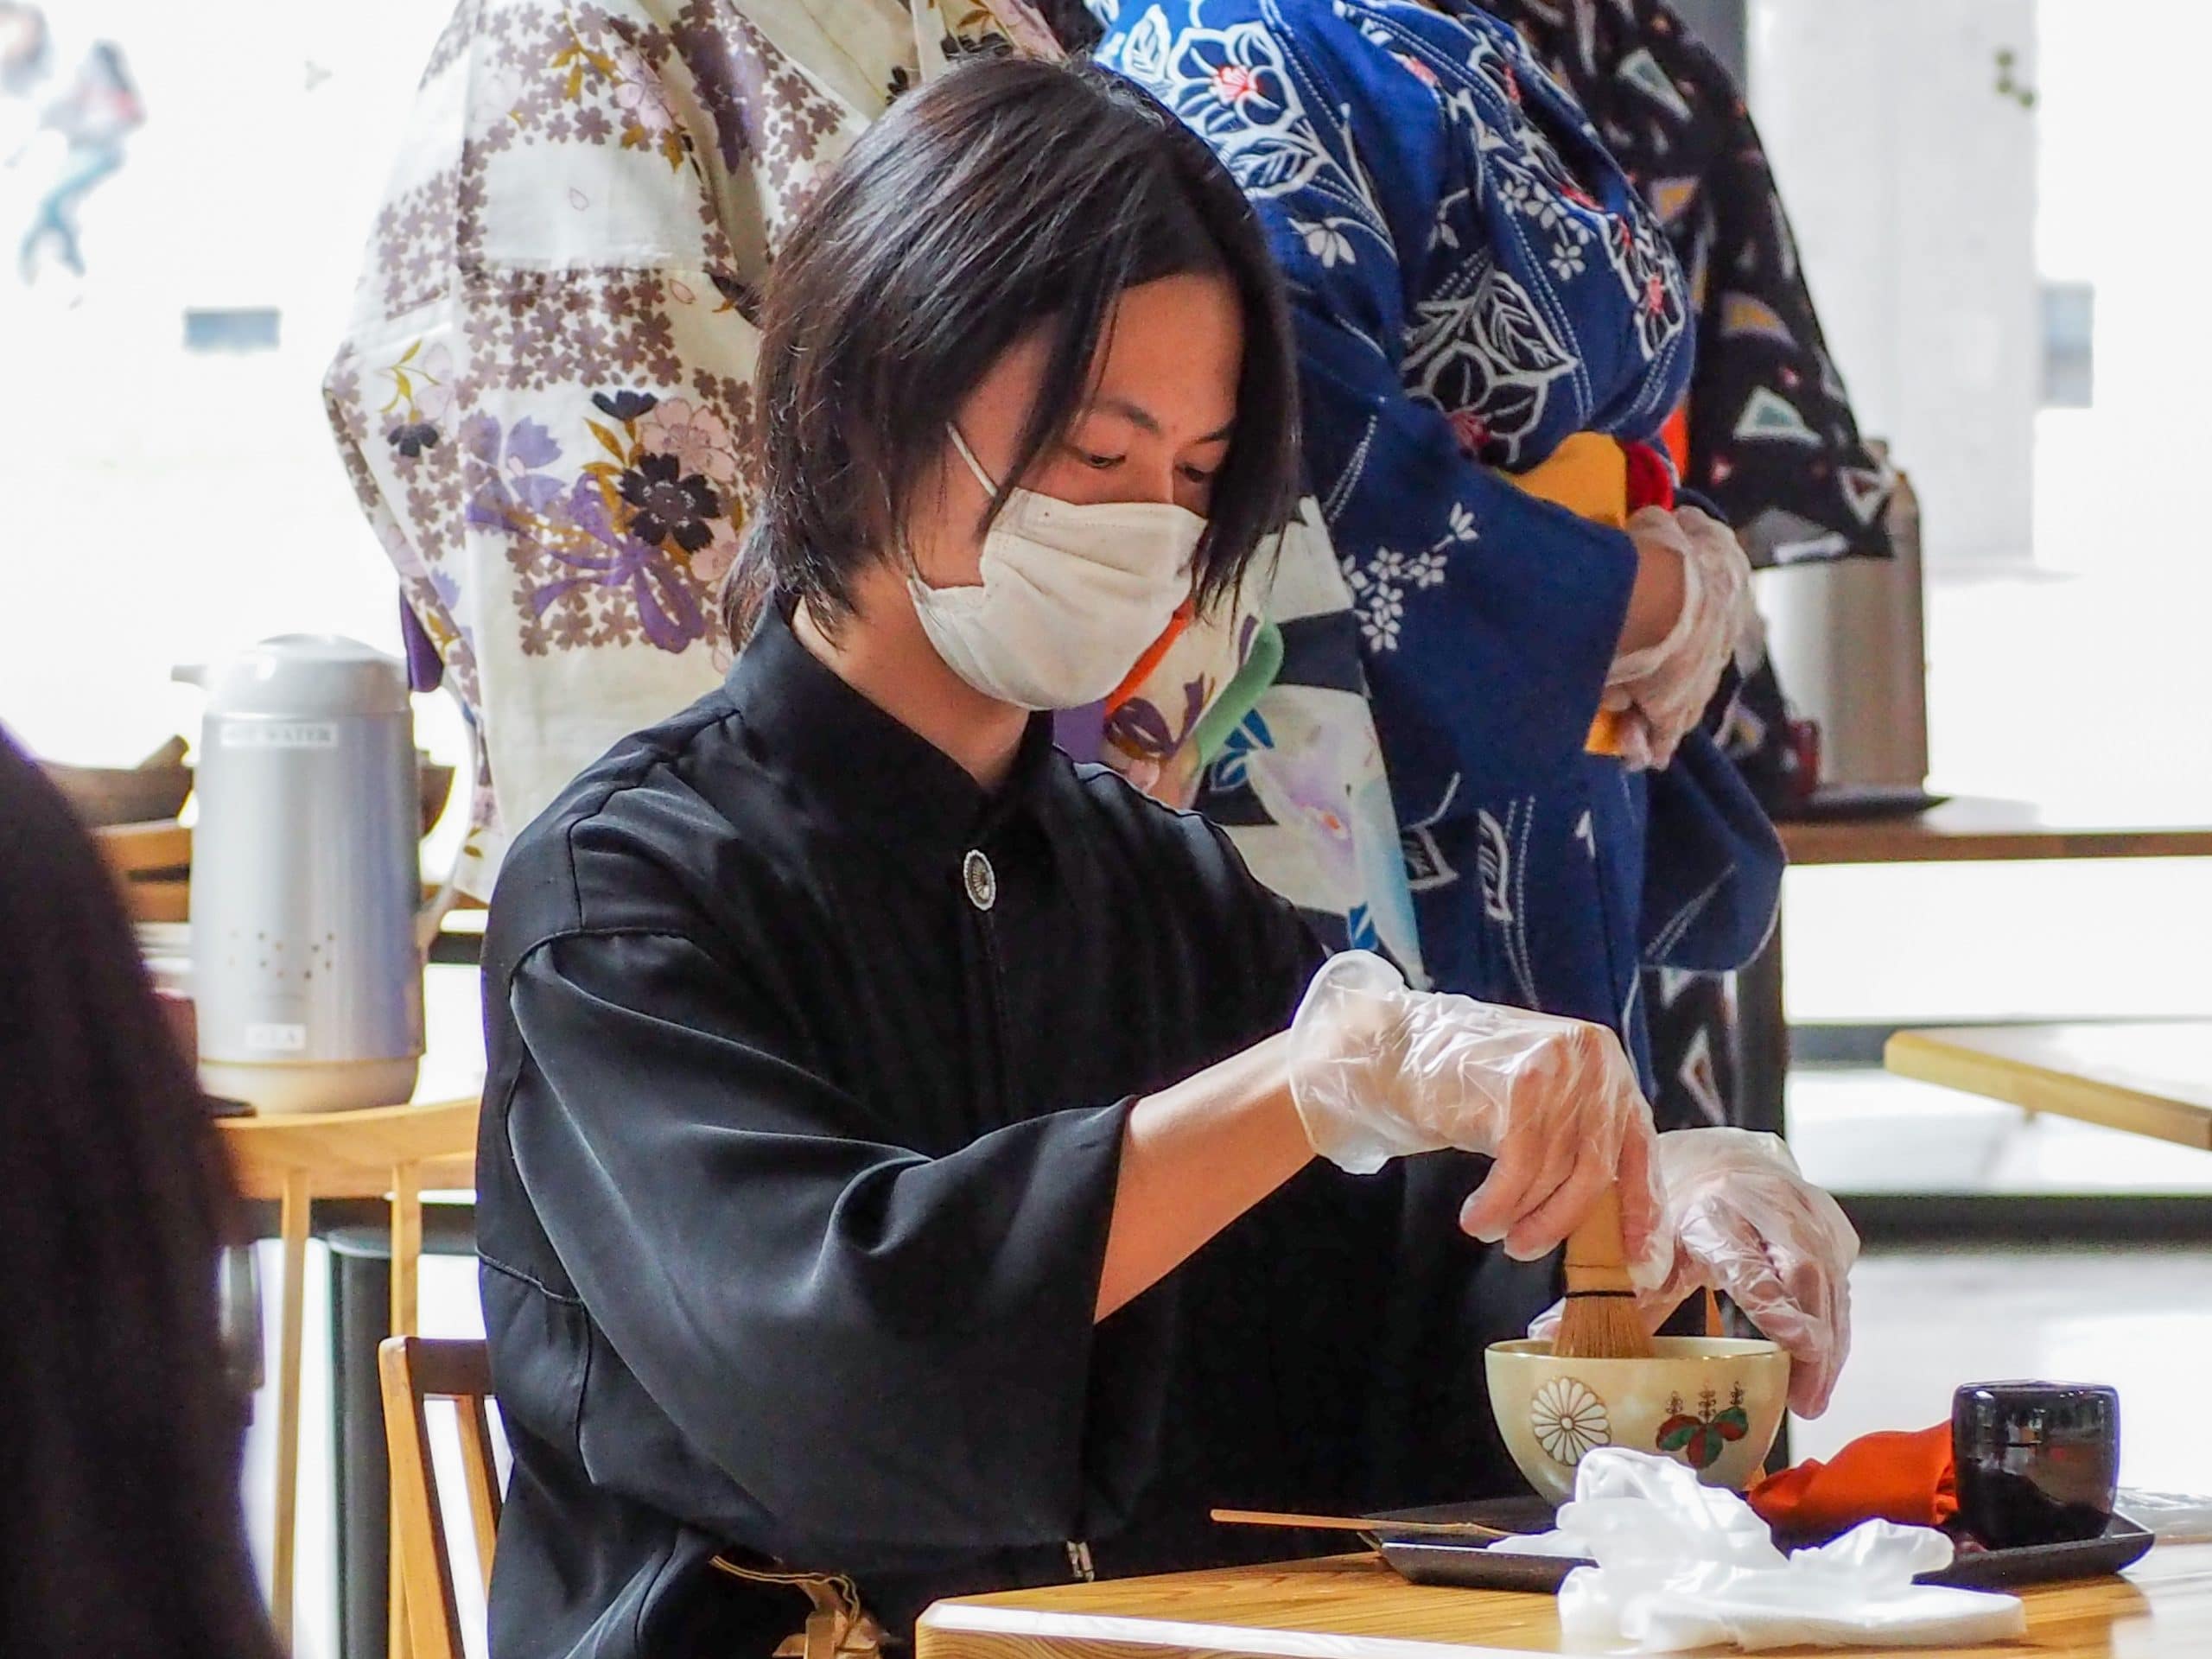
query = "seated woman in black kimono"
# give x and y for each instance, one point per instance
(895, 1163)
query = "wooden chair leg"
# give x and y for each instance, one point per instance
(406, 1300)
(482, 1474)
(292, 1228)
(398, 1644)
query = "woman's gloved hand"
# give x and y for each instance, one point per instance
(1665, 688)
(1738, 1217)
(1378, 1070)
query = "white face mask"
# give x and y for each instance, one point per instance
(1072, 593)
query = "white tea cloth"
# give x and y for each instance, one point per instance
(1683, 1566)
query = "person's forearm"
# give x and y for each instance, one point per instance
(1195, 1157)
(1655, 604)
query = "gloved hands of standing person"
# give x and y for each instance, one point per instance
(1378, 1070)
(1665, 687)
(1738, 1217)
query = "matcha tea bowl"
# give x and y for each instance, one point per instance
(1714, 1403)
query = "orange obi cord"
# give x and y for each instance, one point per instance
(1675, 436)
(1153, 655)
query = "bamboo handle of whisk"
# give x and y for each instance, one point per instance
(1596, 1259)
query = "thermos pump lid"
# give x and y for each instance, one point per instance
(306, 676)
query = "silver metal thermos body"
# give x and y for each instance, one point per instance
(306, 878)
(1849, 641)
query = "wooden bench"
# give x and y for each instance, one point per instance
(2151, 1078)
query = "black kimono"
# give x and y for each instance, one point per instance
(808, 1066)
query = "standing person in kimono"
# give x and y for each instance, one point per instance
(1768, 433)
(897, 1178)
(544, 402)
(1479, 297)
(543, 399)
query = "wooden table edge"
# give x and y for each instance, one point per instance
(1011, 1625)
(437, 1136)
(413, 1111)
(1937, 1056)
(1839, 842)
(2171, 1585)
(944, 1631)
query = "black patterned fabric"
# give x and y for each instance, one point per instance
(1771, 435)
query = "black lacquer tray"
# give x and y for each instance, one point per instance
(1435, 1560)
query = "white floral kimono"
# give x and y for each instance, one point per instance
(544, 399)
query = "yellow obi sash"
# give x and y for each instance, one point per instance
(1587, 474)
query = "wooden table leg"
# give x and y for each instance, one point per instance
(406, 1268)
(406, 1248)
(292, 1228)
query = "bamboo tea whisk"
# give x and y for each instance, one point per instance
(1600, 1319)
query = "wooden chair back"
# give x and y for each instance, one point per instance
(415, 1370)
(151, 864)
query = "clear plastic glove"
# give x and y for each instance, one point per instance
(1737, 1217)
(1378, 1072)
(1683, 1566)
(1665, 688)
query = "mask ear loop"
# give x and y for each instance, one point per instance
(983, 481)
(990, 488)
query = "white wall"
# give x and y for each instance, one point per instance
(1912, 184)
(157, 506)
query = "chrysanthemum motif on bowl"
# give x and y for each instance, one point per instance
(1568, 1419)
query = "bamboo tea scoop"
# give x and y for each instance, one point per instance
(1600, 1320)
(1354, 1523)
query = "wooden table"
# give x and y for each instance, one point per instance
(2151, 1078)
(1973, 829)
(1354, 1607)
(1968, 829)
(293, 1159)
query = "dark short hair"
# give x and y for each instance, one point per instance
(122, 1532)
(1007, 196)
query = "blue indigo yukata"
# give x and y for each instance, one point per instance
(1473, 280)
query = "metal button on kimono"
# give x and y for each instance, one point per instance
(980, 879)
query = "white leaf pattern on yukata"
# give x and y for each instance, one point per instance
(1653, 283)
(1326, 241)
(1482, 345)
(1143, 55)
(1494, 863)
(1427, 869)
(1233, 88)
